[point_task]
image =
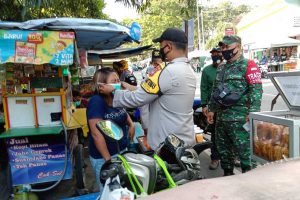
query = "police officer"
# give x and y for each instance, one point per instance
(170, 92)
(237, 92)
(207, 81)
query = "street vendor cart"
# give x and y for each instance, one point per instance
(39, 61)
(275, 134)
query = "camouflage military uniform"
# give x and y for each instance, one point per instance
(231, 138)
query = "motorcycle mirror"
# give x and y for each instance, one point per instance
(174, 141)
(110, 129)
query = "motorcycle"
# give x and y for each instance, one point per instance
(173, 164)
(264, 69)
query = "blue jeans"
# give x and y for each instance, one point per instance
(97, 165)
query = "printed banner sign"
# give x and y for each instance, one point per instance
(36, 47)
(37, 159)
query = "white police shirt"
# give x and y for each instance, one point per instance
(170, 94)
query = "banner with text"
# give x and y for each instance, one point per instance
(38, 160)
(36, 47)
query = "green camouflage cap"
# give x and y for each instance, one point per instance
(230, 39)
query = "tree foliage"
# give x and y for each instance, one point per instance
(171, 13)
(21, 10)
(157, 17)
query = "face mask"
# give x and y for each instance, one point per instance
(228, 54)
(77, 103)
(117, 86)
(216, 59)
(163, 54)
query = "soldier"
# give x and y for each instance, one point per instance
(237, 92)
(207, 80)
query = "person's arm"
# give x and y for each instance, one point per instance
(253, 78)
(140, 97)
(99, 139)
(129, 87)
(131, 128)
(212, 106)
(204, 92)
(204, 88)
(132, 99)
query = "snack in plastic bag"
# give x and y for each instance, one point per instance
(264, 131)
(276, 131)
(277, 152)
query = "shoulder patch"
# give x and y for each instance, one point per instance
(151, 84)
(253, 75)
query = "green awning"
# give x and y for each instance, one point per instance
(21, 132)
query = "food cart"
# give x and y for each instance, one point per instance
(275, 134)
(39, 63)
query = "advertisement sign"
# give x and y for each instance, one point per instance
(189, 31)
(36, 47)
(37, 160)
(229, 31)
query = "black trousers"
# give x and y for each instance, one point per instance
(212, 129)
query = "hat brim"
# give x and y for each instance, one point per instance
(157, 40)
(221, 44)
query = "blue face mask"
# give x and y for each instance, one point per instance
(117, 86)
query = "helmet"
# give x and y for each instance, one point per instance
(190, 159)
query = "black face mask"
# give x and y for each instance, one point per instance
(228, 54)
(163, 54)
(216, 59)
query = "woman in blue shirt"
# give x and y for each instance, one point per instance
(101, 147)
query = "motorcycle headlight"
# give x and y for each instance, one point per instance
(174, 141)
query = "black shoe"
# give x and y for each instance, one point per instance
(228, 172)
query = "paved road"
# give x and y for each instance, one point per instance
(67, 188)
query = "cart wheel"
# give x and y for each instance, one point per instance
(79, 167)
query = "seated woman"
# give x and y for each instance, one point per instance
(102, 148)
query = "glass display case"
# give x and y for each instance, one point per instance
(275, 134)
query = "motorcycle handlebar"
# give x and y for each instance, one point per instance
(105, 174)
(184, 175)
(173, 167)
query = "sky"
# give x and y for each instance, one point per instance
(119, 12)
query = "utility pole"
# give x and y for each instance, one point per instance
(202, 31)
(198, 21)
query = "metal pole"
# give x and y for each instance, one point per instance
(198, 20)
(202, 30)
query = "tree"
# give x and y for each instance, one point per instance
(157, 17)
(21, 10)
(138, 4)
(171, 13)
(219, 17)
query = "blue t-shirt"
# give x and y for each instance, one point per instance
(98, 108)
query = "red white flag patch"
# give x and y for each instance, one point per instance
(253, 75)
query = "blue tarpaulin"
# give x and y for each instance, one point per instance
(119, 52)
(91, 34)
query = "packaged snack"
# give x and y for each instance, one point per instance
(277, 152)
